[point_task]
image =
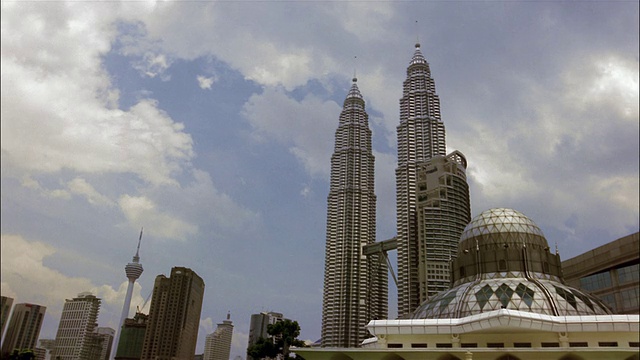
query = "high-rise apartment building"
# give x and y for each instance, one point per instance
(421, 137)
(443, 211)
(24, 328)
(355, 286)
(218, 344)
(5, 310)
(75, 339)
(174, 316)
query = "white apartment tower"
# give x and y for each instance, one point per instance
(421, 136)
(355, 286)
(218, 344)
(75, 339)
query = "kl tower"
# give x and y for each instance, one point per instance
(133, 270)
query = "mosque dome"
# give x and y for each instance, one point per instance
(504, 262)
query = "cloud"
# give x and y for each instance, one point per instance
(23, 263)
(306, 127)
(205, 82)
(81, 187)
(59, 110)
(140, 210)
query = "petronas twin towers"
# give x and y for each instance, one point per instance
(432, 200)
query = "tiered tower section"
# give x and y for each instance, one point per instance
(355, 287)
(421, 136)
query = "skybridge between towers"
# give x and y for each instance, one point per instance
(381, 248)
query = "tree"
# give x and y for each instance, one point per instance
(24, 354)
(284, 334)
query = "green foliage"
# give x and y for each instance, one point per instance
(285, 334)
(24, 354)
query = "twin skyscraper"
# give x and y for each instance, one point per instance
(432, 210)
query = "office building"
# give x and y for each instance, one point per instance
(24, 328)
(129, 346)
(106, 336)
(508, 301)
(5, 311)
(174, 316)
(611, 272)
(133, 270)
(355, 286)
(258, 326)
(218, 344)
(421, 137)
(443, 211)
(75, 338)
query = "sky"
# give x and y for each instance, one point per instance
(211, 125)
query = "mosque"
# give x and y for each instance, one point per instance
(508, 301)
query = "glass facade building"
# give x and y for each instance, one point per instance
(611, 271)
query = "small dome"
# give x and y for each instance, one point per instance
(500, 220)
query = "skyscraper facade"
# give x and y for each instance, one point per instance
(24, 328)
(443, 211)
(75, 338)
(174, 316)
(218, 344)
(133, 270)
(5, 310)
(355, 286)
(421, 136)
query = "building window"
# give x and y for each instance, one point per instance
(596, 281)
(630, 298)
(495, 345)
(469, 345)
(550, 344)
(420, 345)
(578, 344)
(444, 345)
(634, 344)
(522, 345)
(394, 346)
(502, 265)
(608, 344)
(628, 274)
